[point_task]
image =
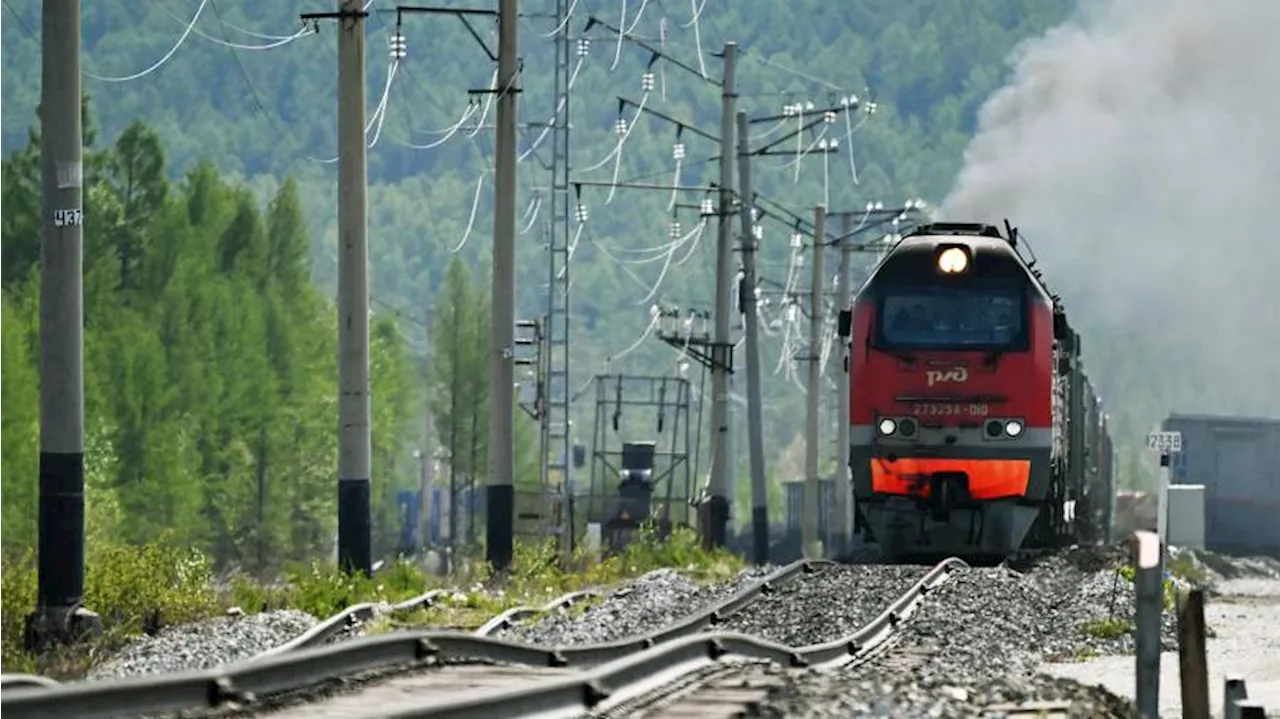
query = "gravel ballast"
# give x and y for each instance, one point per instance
(977, 641)
(652, 601)
(829, 604)
(204, 644)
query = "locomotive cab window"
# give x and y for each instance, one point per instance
(942, 317)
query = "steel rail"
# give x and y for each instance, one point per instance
(242, 682)
(345, 619)
(620, 681)
(16, 681)
(513, 615)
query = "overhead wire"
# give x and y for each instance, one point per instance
(555, 116)
(279, 41)
(164, 59)
(448, 132)
(471, 221)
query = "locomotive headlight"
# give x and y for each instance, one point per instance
(953, 261)
(887, 426)
(1013, 428)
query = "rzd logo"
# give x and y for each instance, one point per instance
(935, 376)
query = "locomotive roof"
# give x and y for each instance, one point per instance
(995, 256)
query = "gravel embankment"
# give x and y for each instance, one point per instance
(204, 644)
(977, 641)
(830, 604)
(651, 602)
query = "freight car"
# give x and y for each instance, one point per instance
(974, 429)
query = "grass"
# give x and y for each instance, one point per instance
(140, 590)
(1187, 568)
(1109, 628)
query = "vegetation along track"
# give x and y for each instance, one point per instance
(314, 661)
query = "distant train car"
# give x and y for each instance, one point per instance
(974, 430)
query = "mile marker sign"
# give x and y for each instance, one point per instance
(1165, 442)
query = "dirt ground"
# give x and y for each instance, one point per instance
(1246, 619)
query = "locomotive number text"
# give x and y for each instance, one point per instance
(936, 409)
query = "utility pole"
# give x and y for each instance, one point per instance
(501, 490)
(427, 478)
(717, 513)
(355, 551)
(751, 322)
(813, 427)
(58, 615)
(844, 487)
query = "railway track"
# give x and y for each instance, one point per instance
(710, 673)
(419, 659)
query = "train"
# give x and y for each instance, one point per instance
(974, 429)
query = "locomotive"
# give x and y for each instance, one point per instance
(974, 430)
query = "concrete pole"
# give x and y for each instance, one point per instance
(427, 479)
(354, 440)
(61, 506)
(751, 322)
(1149, 592)
(844, 486)
(717, 512)
(813, 425)
(501, 490)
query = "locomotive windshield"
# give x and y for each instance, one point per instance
(950, 317)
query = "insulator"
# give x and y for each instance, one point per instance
(707, 207)
(677, 151)
(620, 127)
(675, 229)
(789, 110)
(581, 213)
(646, 82)
(829, 117)
(757, 231)
(398, 46)
(809, 106)
(833, 144)
(797, 240)
(584, 46)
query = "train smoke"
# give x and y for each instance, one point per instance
(1138, 147)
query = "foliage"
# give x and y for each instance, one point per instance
(134, 589)
(1109, 628)
(209, 363)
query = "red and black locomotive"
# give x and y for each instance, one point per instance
(974, 430)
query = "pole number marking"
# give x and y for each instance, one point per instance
(1165, 442)
(67, 218)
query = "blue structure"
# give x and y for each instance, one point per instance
(407, 501)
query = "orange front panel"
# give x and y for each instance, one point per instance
(988, 478)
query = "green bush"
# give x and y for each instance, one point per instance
(134, 589)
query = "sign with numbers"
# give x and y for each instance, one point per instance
(67, 218)
(1165, 442)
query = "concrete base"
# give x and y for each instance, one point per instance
(51, 626)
